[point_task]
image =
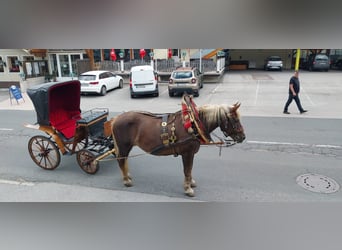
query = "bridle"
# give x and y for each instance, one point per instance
(229, 120)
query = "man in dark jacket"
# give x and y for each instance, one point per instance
(294, 88)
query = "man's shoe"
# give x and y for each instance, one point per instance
(303, 111)
(286, 112)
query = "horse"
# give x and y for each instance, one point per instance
(166, 134)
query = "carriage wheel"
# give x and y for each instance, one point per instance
(44, 152)
(85, 159)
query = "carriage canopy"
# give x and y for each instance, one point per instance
(54, 102)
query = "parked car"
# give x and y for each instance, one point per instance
(185, 79)
(338, 64)
(318, 62)
(99, 81)
(273, 62)
(143, 80)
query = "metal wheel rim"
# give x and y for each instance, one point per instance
(85, 159)
(44, 152)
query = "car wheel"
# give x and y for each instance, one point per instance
(121, 84)
(170, 93)
(196, 94)
(103, 90)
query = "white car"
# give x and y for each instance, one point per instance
(99, 81)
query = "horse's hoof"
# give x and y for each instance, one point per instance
(193, 183)
(190, 192)
(128, 183)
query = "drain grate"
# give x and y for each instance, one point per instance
(318, 183)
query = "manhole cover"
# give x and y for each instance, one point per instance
(318, 183)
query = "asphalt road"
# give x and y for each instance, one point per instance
(277, 150)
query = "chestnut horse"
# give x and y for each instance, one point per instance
(143, 129)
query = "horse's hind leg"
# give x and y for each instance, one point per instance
(127, 180)
(189, 183)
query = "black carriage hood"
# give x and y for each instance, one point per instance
(47, 95)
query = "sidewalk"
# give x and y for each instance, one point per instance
(22, 104)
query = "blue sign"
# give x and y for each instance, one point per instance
(15, 93)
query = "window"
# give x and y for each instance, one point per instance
(1, 65)
(106, 55)
(64, 62)
(174, 52)
(35, 68)
(13, 64)
(97, 55)
(74, 59)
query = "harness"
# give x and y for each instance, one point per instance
(164, 135)
(191, 123)
(191, 120)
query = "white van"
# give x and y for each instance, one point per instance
(143, 81)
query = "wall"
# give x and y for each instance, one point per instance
(258, 56)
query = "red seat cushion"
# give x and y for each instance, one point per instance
(63, 122)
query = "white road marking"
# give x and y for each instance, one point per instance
(257, 93)
(308, 97)
(295, 144)
(215, 89)
(6, 129)
(19, 183)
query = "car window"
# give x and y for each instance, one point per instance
(322, 58)
(87, 77)
(182, 74)
(103, 76)
(274, 59)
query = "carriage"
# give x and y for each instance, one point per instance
(68, 130)
(92, 137)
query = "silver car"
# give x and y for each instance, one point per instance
(318, 62)
(273, 62)
(185, 79)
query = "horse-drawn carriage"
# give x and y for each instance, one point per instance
(92, 137)
(69, 131)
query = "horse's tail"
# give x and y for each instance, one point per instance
(109, 131)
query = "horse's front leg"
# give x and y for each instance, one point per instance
(189, 183)
(127, 180)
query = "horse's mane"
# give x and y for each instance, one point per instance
(213, 113)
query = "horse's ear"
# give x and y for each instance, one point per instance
(236, 106)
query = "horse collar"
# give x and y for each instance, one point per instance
(191, 121)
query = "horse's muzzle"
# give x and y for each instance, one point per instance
(239, 138)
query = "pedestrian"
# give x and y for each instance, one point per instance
(294, 88)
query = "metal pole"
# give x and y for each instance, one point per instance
(297, 59)
(200, 66)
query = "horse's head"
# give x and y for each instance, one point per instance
(230, 123)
